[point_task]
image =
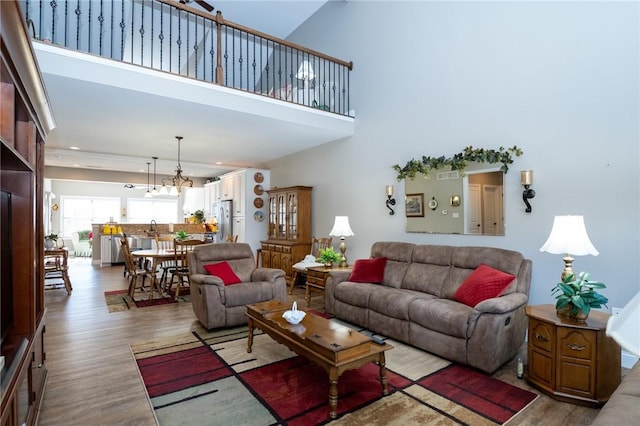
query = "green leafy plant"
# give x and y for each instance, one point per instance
(329, 256)
(181, 235)
(458, 161)
(51, 237)
(579, 294)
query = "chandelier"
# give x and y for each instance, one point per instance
(178, 181)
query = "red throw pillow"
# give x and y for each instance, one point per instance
(223, 271)
(368, 270)
(482, 284)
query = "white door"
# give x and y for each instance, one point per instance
(474, 211)
(492, 213)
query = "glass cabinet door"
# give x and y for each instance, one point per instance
(292, 216)
(282, 217)
(273, 218)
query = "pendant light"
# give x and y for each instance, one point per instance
(178, 181)
(148, 193)
(154, 191)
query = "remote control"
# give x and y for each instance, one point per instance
(377, 340)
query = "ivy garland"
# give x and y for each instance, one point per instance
(458, 161)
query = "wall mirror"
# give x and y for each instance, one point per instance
(468, 201)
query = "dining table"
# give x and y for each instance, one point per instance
(156, 256)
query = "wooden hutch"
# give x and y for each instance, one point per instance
(25, 120)
(289, 229)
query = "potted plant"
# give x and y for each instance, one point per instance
(181, 235)
(199, 216)
(329, 256)
(575, 296)
(50, 240)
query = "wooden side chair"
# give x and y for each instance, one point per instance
(232, 239)
(181, 264)
(299, 269)
(133, 271)
(165, 242)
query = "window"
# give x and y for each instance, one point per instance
(79, 213)
(144, 210)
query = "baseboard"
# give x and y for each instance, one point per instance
(628, 360)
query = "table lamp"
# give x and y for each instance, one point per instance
(568, 236)
(342, 229)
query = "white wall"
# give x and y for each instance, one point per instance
(559, 80)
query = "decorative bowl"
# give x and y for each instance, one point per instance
(294, 316)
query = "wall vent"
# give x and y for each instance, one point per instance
(447, 175)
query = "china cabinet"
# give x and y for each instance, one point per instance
(289, 228)
(25, 120)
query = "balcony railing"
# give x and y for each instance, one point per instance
(169, 36)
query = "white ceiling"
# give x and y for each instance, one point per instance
(120, 115)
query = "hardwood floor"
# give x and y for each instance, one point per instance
(93, 379)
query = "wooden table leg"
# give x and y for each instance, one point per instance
(333, 393)
(383, 374)
(250, 335)
(307, 294)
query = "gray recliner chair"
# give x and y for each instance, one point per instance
(217, 305)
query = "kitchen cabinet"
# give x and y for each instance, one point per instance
(571, 361)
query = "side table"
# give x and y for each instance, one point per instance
(571, 361)
(317, 278)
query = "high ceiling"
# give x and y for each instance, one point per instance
(119, 115)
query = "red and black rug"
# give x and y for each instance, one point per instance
(211, 379)
(119, 300)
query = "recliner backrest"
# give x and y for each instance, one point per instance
(238, 255)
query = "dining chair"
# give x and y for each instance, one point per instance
(300, 268)
(232, 239)
(56, 268)
(181, 264)
(165, 242)
(133, 271)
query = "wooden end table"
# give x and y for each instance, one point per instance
(317, 278)
(571, 361)
(334, 347)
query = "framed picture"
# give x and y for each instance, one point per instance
(414, 205)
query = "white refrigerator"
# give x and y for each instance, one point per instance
(223, 212)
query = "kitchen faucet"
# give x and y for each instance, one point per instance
(152, 226)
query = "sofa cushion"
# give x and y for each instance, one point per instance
(398, 256)
(247, 293)
(391, 302)
(368, 270)
(429, 269)
(483, 283)
(355, 294)
(442, 315)
(464, 260)
(223, 271)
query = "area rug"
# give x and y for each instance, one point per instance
(119, 300)
(196, 378)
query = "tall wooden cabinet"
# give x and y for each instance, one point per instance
(572, 361)
(25, 120)
(289, 222)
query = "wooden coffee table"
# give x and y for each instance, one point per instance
(332, 346)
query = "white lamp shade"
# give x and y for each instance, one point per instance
(147, 195)
(341, 227)
(623, 328)
(174, 191)
(305, 72)
(163, 191)
(569, 236)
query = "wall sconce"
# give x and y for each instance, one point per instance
(526, 178)
(390, 201)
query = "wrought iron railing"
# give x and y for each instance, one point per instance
(169, 36)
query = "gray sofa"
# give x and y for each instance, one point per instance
(623, 407)
(414, 303)
(217, 305)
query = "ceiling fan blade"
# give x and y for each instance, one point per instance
(205, 5)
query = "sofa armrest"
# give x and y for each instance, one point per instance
(499, 305)
(206, 279)
(266, 274)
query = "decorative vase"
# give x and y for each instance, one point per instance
(566, 313)
(329, 264)
(48, 244)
